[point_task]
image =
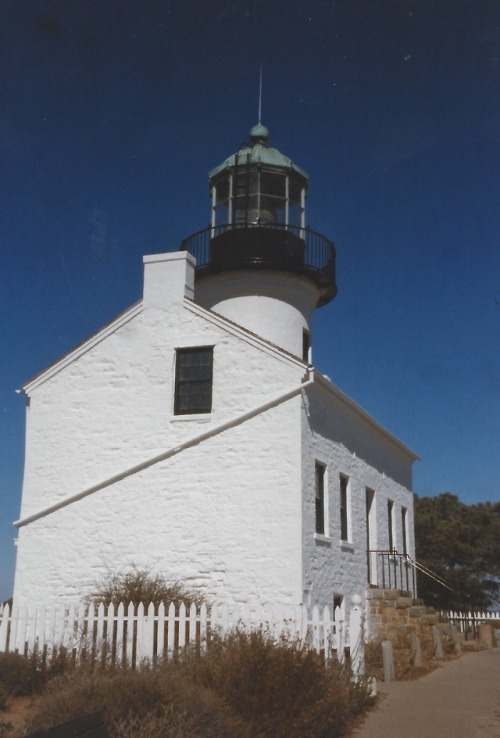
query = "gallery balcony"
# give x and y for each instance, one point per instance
(285, 248)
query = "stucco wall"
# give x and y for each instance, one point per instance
(223, 516)
(277, 306)
(332, 566)
(224, 513)
(112, 407)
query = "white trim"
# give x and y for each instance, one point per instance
(326, 384)
(168, 256)
(82, 348)
(322, 538)
(130, 313)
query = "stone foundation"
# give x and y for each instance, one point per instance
(392, 614)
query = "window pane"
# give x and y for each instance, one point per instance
(344, 528)
(193, 381)
(390, 507)
(320, 499)
(222, 189)
(222, 213)
(295, 189)
(294, 215)
(273, 184)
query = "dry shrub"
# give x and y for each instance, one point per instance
(138, 704)
(243, 686)
(140, 585)
(27, 675)
(283, 689)
(20, 675)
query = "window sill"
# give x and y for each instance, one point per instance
(347, 546)
(204, 417)
(321, 538)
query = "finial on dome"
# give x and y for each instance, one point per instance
(259, 133)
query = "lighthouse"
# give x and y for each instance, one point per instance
(258, 263)
(189, 437)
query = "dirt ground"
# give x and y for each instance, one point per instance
(18, 709)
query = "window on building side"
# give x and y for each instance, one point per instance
(193, 380)
(404, 522)
(320, 498)
(306, 345)
(390, 512)
(344, 502)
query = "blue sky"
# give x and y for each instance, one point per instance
(111, 115)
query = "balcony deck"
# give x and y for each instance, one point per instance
(267, 247)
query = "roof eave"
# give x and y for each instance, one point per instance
(326, 384)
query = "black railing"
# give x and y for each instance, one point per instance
(265, 246)
(392, 570)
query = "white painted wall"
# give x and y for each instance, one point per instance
(277, 306)
(224, 514)
(232, 514)
(339, 440)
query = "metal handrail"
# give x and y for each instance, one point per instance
(246, 244)
(398, 569)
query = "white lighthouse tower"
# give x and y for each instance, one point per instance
(258, 264)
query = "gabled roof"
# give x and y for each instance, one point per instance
(82, 347)
(128, 315)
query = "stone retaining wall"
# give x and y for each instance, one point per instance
(392, 614)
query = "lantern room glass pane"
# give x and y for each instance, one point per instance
(295, 190)
(294, 215)
(269, 209)
(273, 184)
(222, 189)
(240, 209)
(222, 213)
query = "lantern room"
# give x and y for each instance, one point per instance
(258, 186)
(258, 220)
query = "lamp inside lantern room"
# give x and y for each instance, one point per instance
(257, 194)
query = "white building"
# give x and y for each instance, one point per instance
(192, 436)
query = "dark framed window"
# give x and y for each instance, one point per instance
(390, 513)
(193, 380)
(320, 498)
(403, 529)
(306, 344)
(344, 526)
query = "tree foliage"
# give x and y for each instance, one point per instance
(461, 544)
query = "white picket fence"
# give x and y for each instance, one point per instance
(130, 635)
(467, 622)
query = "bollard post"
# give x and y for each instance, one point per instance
(357, 644)
(438, 643)
(416, 650)
(486, 635)
(388, 661)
